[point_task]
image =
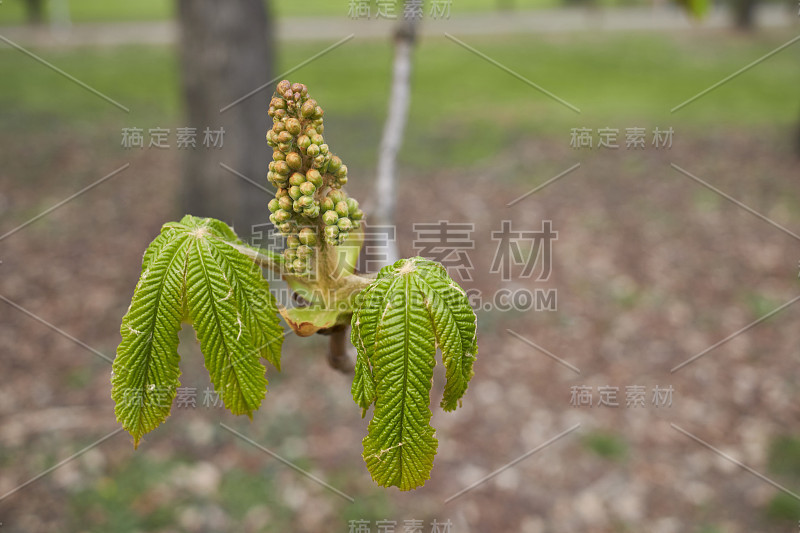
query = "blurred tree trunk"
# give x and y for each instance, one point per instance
(226, 52)
(34, 11)
(744, 14)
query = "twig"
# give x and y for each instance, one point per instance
(339, 356)
(393, 130)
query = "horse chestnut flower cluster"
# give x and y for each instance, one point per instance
(310, 208)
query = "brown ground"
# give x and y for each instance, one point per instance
(650, 268)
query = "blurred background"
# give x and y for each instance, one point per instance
(663, 251)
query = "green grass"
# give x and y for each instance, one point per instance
(106, 502)
(143, 79)
(783, 460)
(708, 529)
(137, 496)
(464, 109)
(783, 508)
(606, 445)
(784, 457)
(13, 11)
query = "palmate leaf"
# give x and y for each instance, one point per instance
(412, 308)
(193, 272)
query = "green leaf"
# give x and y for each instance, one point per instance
(225, 340)
(255, 302)
(145, 372)
(193, 271)
(410, 309)
(454, 324)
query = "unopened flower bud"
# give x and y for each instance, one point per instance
(293, 126)
(281, 192)
(336, 197)
(278, 155)
(341, 209)
(284, 137)
(312, 150)
(285, 203)
(299, 265)
(294, 160)
(307, 236)
(273, 205)
(294, 192)
(331, 231)
(297, 179)
(280, 114)
(307, 188)
(286, 228)
(330, 218)
(327, 204)
(292, 241)
(283, 86)
(304, 141)
(303, 251)
(352, 205)
(334, 165)
(290, 254)
(344, 224)
(305, 201)
(278, 127)
(317, 139)
(314, 177)
(308, 108)
(357, 215)
(285, 147)
(342, 181)
(281, 215)
(342, 172)
(323, 149)
(311, 211)
(318, 112)
(296, 207)
(281, 167)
